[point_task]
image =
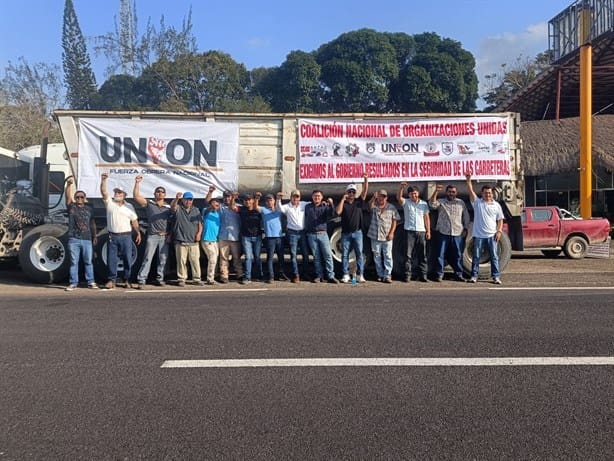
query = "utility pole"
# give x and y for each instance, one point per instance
(586, 110)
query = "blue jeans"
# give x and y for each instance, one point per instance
(451, 246)
(415, 264)
(154, 242)
(119, 246)
(251, 248)
(478, 246)
(320, 248)
(273, 246)
(78, 248)
(296, 238)
(352, 241)
(382, 255)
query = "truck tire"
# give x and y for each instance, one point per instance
(551, 253)
(43, 254)
(504, 249)
(575, 247)
(100, 258)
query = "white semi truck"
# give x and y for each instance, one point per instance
(267, 153)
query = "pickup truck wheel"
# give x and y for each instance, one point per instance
(504, 249)
(576, 247)
(43, 254)
(551, 253)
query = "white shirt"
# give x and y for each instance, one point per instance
(295, 215)
(119, 218)
(485, 217)
(413, 214)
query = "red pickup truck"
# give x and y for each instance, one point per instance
(552, 230)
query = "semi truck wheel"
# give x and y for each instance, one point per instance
(43, 254)
(576, 247)
(504, 249)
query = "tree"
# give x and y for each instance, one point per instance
(125, 50)
(504, 84)
(28, 95)
(211, 81)
(439, 76)
(357, 69)
(119, 92)
(78, 75)
(292, 87)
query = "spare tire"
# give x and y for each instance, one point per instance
(504, 250)
(44, 255)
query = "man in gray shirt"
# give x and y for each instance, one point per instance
(452, 224)
(159, 217)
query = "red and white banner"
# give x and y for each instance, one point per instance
(419, 150)
(176, 154)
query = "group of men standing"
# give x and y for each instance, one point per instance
(225, 231)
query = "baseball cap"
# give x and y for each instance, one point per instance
(268, 196)
(248, 197)
(226, 193)
(188, 195)
(382, 192)
(351, 187)
(295, 193)
(120, 190)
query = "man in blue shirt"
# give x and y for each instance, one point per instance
(211, 230)
(271, 219)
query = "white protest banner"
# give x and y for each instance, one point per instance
(417, 150)
(176, 154)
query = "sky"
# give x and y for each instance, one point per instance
(261, 33)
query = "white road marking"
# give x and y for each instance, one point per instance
(393, 362)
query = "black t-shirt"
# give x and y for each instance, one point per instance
(79, 218)
(251, 223)
(351, 216)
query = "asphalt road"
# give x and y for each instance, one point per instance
(81, 375)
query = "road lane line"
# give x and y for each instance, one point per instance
(393, 362)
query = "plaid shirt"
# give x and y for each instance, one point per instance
(381, 221)
(452, 216)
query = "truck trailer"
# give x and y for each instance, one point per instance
(269, 153)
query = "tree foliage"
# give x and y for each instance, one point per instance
(78, 75)
(504, 84)
(131, 53)
(28, 95)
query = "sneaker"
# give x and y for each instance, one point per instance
(459, 278)
(199, 283)
(92, 286)
(141, 286)
(245, 281)
(269, 281)
(160, 283)
(473, 280)
(345, 278)
(316, 280)
(70, 287)
(223, 280)
(424, 280)
(181, 283)
(361, 279)
(333, 280)
(439, 279)
(387, 280)
(497, 281)
(211, 282)
(296, 279)
(110, 285)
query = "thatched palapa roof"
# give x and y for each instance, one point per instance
(553, 146)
